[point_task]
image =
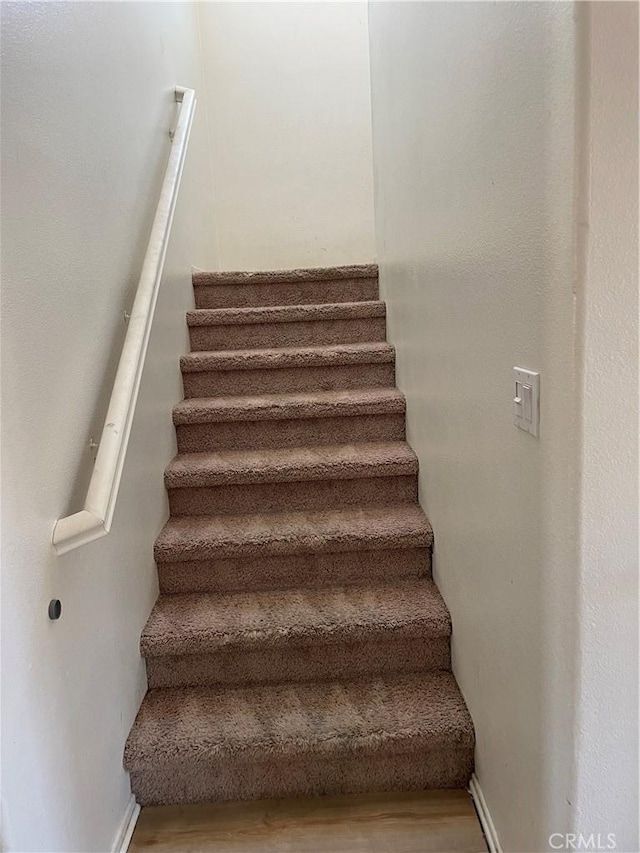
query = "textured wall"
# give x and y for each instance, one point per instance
(86, 104)
(473, 118)
(290, 121)
(607, 732)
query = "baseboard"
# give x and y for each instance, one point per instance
(493, 842)
(127, 825)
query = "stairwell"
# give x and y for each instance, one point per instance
(299, 644)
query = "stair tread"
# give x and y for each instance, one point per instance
(286, 313)
(206, 537)
(201, 622)
(316, 649)
(204, 277)
(319, 404)
(176, 726)
(283, 357)
(291, 464)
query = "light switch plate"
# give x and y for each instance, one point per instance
(526, 400)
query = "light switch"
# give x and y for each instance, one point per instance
(526, 400)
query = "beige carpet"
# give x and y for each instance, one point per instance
(299, 645)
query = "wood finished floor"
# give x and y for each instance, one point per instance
(416, 822)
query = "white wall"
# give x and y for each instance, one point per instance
(290, 120)
(476, 127)
(86, 105)
(607, 735)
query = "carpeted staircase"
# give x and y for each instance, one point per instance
(299, 645)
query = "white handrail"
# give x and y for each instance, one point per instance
(95, 519)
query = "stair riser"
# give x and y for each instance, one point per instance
(326, 693)
(249, 574)
(294, 334)
(236, 666)
(342, 773)
(222, 383)
(302, 293)
(260, 498)
(300, 432)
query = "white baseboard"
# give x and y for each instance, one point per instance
(493, 842)
(127, 825)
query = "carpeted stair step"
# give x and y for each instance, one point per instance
(397, 732)
(286, 326)
(285, 571)
(292, 479)
(219, 537)
(296, 634)
(334, 367)
(285, 287)
(299, 645)
(289, 420)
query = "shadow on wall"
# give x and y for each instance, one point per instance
(473, 140)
